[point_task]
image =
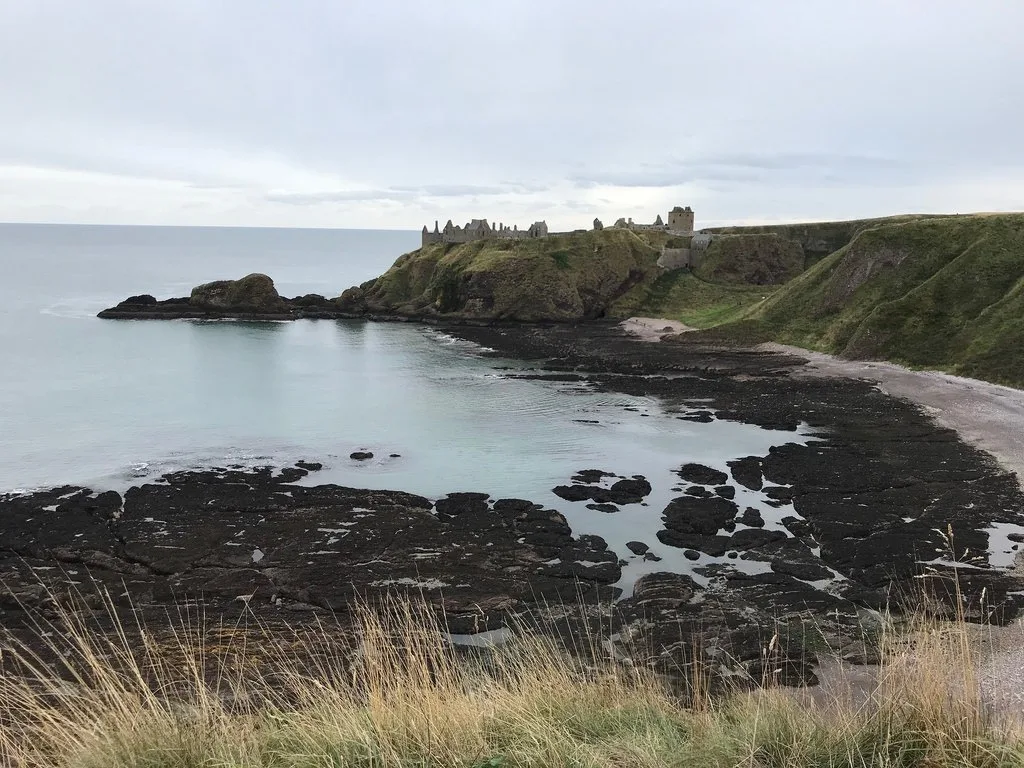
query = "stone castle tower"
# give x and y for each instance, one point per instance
(680, 219)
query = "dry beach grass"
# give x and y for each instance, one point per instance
(405, 697)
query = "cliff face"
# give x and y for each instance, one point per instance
(938, 292)
(563, 277)
(820, 238)
(751, 259)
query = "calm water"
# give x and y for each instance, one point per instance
(111, 403)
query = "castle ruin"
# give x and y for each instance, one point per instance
(680, 222)
(479, 229)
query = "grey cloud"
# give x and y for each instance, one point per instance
(394, 194)
(747, 167)
(423, 104)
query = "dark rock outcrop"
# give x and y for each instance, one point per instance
(253, 293)
(630, 490)
(698, 473)
(252, 297)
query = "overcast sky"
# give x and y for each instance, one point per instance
(390, 114)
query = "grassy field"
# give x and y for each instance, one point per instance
(406, 698)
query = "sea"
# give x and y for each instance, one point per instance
(112, 403)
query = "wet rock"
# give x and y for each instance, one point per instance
(747, 472)
(806, 571)
(572, 492)
(750, 538)
(631, 488)
(751, 517)
(698, 490)
(360, 455)
(702, 475)
(625, 491)
(698, 417)
(796, 526)
(725, 491)
(309, 466)
(708, 516)
(637, 547)
(716, 546)
(457, 504)
(514, 506)
(691, 554)
(664, 590)
(590, 476)
(589, 558)
(780, 493)
(603, 507)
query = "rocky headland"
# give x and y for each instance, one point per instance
(939, 292)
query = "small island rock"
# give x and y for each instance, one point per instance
(252, 293)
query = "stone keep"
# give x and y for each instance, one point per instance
(680, 219)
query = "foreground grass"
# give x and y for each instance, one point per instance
(406, 698)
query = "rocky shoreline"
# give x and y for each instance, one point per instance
(861, 511)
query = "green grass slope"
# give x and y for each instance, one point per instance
(944, 293)
(562, 277)
(818, 238)
(683, 296)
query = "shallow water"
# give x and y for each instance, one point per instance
(112, 403)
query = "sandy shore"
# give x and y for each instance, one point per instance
(652, 328)
(985, 415)
(988, 416)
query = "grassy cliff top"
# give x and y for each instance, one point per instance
(561, 277)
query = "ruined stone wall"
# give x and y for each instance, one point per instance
(701, 241)
(479, 229)
(676, 258)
